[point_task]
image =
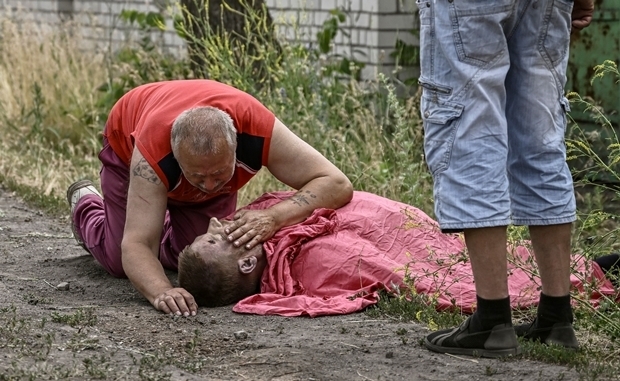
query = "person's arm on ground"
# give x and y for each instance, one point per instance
(146, 208)
(320, 184)
(582, 13)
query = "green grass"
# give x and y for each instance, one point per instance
(53, 108)
(80, 318)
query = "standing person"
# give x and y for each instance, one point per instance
(493, 107)
(174, 155)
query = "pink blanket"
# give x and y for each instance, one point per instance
(336, 261)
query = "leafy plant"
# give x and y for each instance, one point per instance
(80, 318)
(145, 62)
(407, 55)
(338, 63)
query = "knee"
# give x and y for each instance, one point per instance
(110, 260)
(117, 271)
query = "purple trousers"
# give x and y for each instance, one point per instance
(101, 222)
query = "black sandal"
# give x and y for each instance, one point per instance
(500, 341)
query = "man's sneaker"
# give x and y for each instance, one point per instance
(500, 341)
(75, 192)
(79, 189)
(561, 334)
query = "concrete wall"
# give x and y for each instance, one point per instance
(373, 25)
(99, 21)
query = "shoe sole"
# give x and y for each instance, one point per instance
(501, 341)
(75, 186)
(562, 335)
(72, 189)
(475, 352)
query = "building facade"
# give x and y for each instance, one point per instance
(372, 26)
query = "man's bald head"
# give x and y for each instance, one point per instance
(203, 131)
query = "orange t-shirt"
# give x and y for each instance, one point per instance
(143, 118)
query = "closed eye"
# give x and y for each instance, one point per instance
(211, 241)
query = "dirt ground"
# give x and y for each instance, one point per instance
(98, 327)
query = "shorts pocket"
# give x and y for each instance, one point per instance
(441, 120)
(424, 11)
(477, 29)
(556, 32)
(428, 85)
(427, 37)
(563, 116)
(565, 105)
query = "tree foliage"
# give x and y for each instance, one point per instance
(244, 24)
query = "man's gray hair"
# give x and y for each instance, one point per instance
(200, 128)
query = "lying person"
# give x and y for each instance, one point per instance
(336, 261)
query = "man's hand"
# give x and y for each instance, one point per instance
(582, 13)
(176, 301)
(251, 227)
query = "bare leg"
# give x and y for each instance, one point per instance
(553, 324)
(552, 249)
(487, 252)
(489, 331)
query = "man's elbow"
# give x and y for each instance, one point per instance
(125, 253)
(344, 190)
(129, 254)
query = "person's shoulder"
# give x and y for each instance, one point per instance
(184, 85)
(144, 91)
(213, 84)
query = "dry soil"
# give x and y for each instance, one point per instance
(63, 317)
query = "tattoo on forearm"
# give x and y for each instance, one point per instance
(144, 170)
(301, 198)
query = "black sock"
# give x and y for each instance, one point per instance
(554, 309)
(490, 313)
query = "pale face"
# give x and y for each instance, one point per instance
(215, 238)
(209, 173)
(214, 242)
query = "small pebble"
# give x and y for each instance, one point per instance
(63, 286)
(241, 335)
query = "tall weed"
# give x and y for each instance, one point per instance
(47, 102)
(48, 82)
(597, 230)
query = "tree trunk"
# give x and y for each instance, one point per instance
(245, 22)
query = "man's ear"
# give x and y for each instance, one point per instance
(247, 264)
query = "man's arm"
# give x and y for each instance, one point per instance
(582, 13)
(146, 208)
(320, 184)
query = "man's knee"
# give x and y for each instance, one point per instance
(110, 260)
(117, 271)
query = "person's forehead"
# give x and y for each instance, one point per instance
(206, 163)
(202, 246)
(213, 231)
